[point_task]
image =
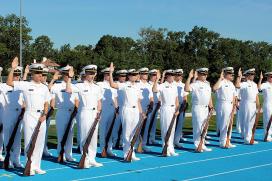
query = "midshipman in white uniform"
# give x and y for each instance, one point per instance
(169, 106)
(249, 103)
(201, 102)
(13, 102)
(266, 89)
(226, 95)
(182, 96)
(109, 104)
(131, 109)
(89, 96)
(122, 76)
(64, 103)
(36, 97)
(146, 102)
(156, 99)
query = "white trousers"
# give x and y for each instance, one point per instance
(86, 118)
(62, 119)
(130, 120)
(199, 115)
(107, 115)
(248, 119)
(30, 121)
(10, 118)
(223, 115)
(267, 112)
(167, 113)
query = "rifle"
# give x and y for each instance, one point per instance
(267, 129)
(119, 137)
(134, 139)
(49, 114)
(255, 126)
(149, 110)
(104, 151)
(230, 125)
(204, 131)
(11, 139)
(1, 128)
(182, 109)
(87, 143)
(65, 136)
(152, 119)
(31, 148)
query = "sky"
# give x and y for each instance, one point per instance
(85, 21)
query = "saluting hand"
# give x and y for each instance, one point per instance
(14, 63)
(222, 75)
(111, 67)
(27, 69)
(158, 75)
(240, 74)
(261, 75)
(191, 74)
(71, 72)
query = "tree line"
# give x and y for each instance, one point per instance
(156, 48)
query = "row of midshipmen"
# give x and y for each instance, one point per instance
(134, 94)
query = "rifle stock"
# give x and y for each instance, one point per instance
(140, 146)
(204, 131)
(230, 125)
(87, 143)
(168, 134)
(267, 129)
(255, 126)
(65, 136)
(104, 151)
(182, 109)
(152, 119)
(134, 139)
(31, 149)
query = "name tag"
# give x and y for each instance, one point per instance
(129, 86)
(85, 91)
(201, 87)
(31, 90)
(9, 91)
(226, 86)
(166, 86)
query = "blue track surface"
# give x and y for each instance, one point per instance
(245, 162)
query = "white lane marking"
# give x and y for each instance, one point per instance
(228, 172)
(172, 165)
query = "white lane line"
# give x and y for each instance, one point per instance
(172, 165)
(112, 161)
(228, 172)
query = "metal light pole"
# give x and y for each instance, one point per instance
(21, 43)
